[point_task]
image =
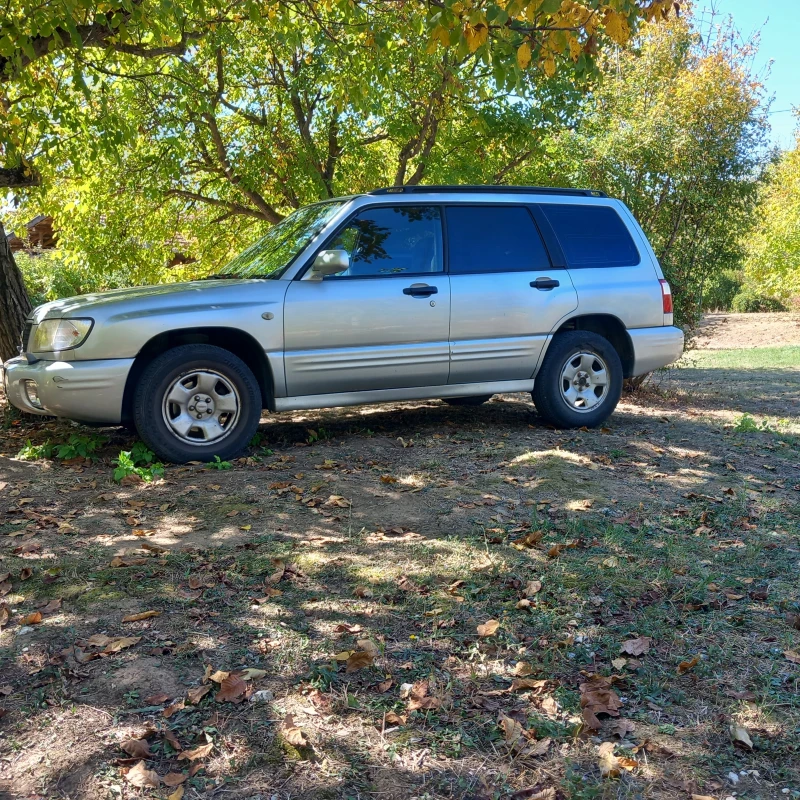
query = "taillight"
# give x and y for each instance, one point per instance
(666, 296)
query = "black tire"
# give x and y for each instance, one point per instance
(151, 411)
(550, 391)
(475, 400)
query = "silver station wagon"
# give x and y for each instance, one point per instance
(451, 292)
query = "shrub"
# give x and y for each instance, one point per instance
(49, 276)
(750, 301)
(722, 290)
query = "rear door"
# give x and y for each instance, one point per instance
(609, 263)
(506, 297)
(384, 322)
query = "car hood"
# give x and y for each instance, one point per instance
(206, 293)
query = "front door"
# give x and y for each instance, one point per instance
(506, 297)
(384, 322)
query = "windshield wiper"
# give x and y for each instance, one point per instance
(226, 276)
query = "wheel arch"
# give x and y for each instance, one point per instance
(609, 327)
(236, 341)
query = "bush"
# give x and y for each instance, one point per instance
(723, 288)
(49, 276)
(749, 301)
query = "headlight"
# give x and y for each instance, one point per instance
(60, 334)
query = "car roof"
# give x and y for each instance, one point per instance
(478, 189)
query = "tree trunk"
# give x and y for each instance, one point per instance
(14, 303)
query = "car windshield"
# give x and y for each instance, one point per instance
(270, 256)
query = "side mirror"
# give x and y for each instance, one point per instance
(330, 262)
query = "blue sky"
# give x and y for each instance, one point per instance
(779, 24)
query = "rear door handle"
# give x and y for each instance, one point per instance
(420, 290)
(545, 283)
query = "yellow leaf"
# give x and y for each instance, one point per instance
(489, 628)
(549, 66)
(177, 794)
(475, 35)
(524, 55)
(617, 27)
(574, 48)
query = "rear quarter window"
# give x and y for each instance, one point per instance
(592, 235)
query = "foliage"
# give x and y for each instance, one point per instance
(51, 274)
(747, 424)
(675, 129)
(749, 300)
(54, 54)
(219, 464)
(773, 250)
(720, 289)
(77, 446)
(138, 461)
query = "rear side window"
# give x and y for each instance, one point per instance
(493, 239)
(592, 236)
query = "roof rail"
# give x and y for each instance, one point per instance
(488, 189)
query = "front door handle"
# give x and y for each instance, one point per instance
(420, 290)
(545, 284)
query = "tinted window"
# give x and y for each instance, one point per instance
(493, 239)
(392, 241)
(592, 236)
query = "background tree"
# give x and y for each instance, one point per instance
(772, 264)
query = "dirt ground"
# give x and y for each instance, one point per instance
(725, 331)
(418, 601)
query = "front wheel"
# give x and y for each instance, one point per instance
(580, 380)
(195, 402)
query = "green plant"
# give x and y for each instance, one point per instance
(78, 446)
(317, 435)
(125, 465)
(749, 301)
(141, 455)
(33, 452)
(217, 464)
(747, 424)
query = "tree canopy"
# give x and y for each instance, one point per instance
(53, 51)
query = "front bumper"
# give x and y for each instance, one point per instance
(87, 391)
(654, 348)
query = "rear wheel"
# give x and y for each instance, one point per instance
(475, 400)
(580, 380)
(195, 402)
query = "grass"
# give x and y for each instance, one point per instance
(755, 358)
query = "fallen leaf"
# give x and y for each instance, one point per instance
(359, 659)
(522, 668)
(292, 734)
(5, 614)
(685, 666)
(25, 573)
(195, 695)
(532, 588)
(618, 663)
(391, 718)
(5, 588)
(419, 698)
(142, 777)
(636, 647)
(610, 765)
(524, 684)
(198, 752)
(217, 676)
(156, 699)
(369, 646)
(597, 697)
(741, 737)
(792, 656)
(138, 748)
(177, 706)
(232, 689)
(32, 619)
(139, 617)
(252, 674)
(177, 794)
(174, 778)
(53, 605)
(115, 645)
(488, 628)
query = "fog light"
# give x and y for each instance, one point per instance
(32, 393)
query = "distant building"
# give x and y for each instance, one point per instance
(39, 236)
